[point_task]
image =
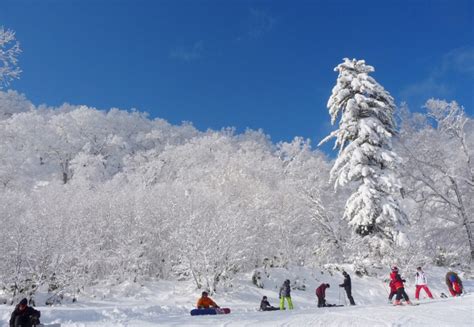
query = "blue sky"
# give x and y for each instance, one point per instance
(256, 64)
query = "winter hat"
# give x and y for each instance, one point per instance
(344, 273)
(287, 281)
(24, 301)
(327, 285)
(419, 268)
(264, 297)
(205, 293)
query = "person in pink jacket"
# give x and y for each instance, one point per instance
(421, 283)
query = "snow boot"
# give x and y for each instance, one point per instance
(397, 302)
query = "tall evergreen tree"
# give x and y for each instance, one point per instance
(364, 140)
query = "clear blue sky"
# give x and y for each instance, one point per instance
(256, 64)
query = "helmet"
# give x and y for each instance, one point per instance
(394, 268)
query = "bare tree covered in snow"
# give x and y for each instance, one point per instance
(364, 141)
(9, 51)
(438, 148)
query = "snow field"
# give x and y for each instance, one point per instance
(167, 303)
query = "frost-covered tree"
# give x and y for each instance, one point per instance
(364, 140)
(438, 171)
(9, 51)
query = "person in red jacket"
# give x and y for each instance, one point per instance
(398, 284)
(321, 294)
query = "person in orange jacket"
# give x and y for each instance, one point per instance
(205, 302)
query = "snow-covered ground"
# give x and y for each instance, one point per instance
(168, 304)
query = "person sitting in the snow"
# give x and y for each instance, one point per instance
(205, 302)
(321, 294)
(454, 283)
(24, 316)
(285, 293)
(348, 287)
(421, 283)
(265, 305)
(398, 284)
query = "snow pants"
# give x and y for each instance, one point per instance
(419, 288)
(321, 302)
(455, 290)
(349, 296)
(282, 303)
(392, 294)
(401, 293)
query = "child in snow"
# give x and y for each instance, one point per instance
(454, 283)
(24, 316)
(347, 286)
(321, 294)
(398, 284)
(285, 293)
(205, 302)
(265, 305)
(421, 283)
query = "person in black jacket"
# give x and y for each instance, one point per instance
(24, 316)
(265, 305)
(348, 287)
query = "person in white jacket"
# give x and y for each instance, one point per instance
(421, 283)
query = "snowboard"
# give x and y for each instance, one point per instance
(209, 311)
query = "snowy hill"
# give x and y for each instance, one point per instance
(168, 304)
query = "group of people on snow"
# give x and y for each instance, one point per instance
(397, 290)
(285, 295)
(26, 316)
(397, 286)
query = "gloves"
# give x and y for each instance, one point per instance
(403, 280)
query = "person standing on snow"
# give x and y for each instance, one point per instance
(321, 294)
(398, 284)
(347, 286)
(421, 283)
(285, 293)
(454, 283)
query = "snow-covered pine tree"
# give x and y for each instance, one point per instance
(364, 141)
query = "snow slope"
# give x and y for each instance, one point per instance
(168, 304)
